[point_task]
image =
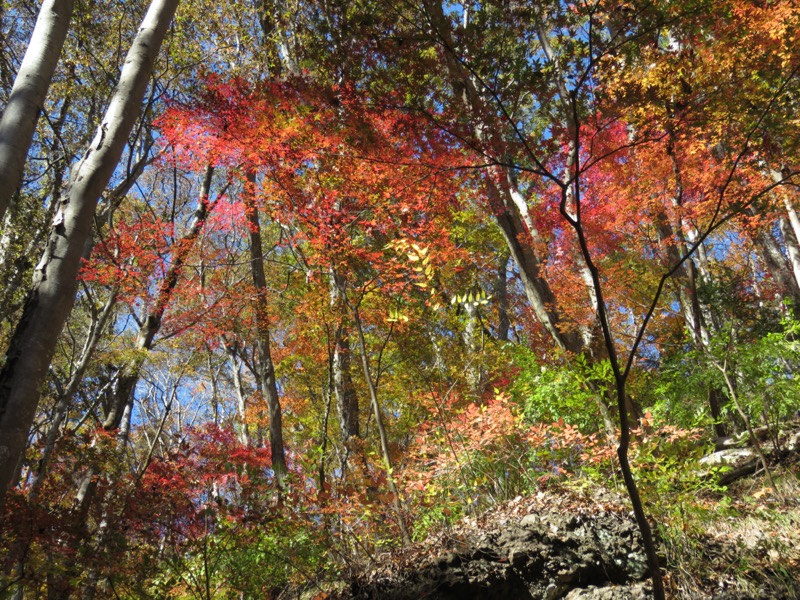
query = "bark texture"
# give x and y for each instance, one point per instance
(342, 386)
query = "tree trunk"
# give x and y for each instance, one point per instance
(26, 102)
(715, 402)
(280, 58)
(501, 292)
(387, 459)
(687, 285)
(507, 204)
(341, 377)
(344, 391)
(241, 401)
(537, 289)
(794, 218)
(53, 291)
(265, 367)
(769, 250)
(793, 252)
(343, 388)
(473, 344)
(93, 336)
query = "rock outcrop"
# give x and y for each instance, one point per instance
(541, 556)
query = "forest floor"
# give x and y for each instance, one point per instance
(573, 541)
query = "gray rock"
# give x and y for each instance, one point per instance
(544, 556)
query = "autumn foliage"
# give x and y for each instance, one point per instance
(458, 261)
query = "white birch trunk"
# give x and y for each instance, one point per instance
(20, 115)
(53, 292)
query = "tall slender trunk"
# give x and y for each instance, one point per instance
(53, 291)
(62, 406)
(376, 408)
(501, 292)
(623, 402)
(265, 367)
(570, 209)
(26, 101)
(241, 404)
(327, 399)
(342, 387)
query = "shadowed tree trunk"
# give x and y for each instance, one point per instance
(501, 291)
(342, 386)
(264, 366)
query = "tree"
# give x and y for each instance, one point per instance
(18, 122)
(265, 368)
(52, 293)
(512, 214)
(534, 117)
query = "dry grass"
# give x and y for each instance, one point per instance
(748, 548)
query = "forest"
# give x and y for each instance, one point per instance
(300, 296)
